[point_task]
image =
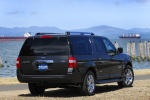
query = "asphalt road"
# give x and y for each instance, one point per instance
(24, 86)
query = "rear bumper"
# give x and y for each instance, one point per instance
(68, 78)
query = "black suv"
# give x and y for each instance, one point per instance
(78, 59)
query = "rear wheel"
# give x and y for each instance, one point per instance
(88, 86)
(128, 77)
(35, 89)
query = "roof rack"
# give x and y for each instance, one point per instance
(79, 33)
(67, 33)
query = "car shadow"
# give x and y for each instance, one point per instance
(74, 92)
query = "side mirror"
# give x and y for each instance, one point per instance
(120, 50)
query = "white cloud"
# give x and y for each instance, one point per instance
(15, 12)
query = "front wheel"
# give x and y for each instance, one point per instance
(128, 77)
(88, 86)
(35, 89)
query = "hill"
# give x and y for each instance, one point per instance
(103, 30)
(16, 31)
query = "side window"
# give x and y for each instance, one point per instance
(81, 45)
(99, 45)
(109, 46)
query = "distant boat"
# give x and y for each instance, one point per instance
(15, 38)
(130, 36)
(27, 34)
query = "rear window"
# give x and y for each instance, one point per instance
(81, 46)
(45, 46)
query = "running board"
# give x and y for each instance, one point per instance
(108, 81)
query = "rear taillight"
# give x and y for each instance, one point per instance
(72, 62)
(18, 63)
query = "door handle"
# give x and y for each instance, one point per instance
(25, 62)
(112, 58)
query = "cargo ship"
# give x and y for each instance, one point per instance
(130, 36)
(15, 38)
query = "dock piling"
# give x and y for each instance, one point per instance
(138, 51)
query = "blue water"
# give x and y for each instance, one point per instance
(9, 52)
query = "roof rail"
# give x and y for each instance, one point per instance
(79, 33)
(49, 34)
(67, 33)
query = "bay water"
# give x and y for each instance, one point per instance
(9, 51)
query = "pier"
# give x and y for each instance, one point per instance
(138, 51)
(1, 64)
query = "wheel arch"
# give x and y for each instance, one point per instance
(129, 63)
(90, 66)
(93, 70)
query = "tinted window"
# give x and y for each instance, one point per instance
(109, 46)
(45, 46)
(81, 45)
(99, 45)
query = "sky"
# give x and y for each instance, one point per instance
(75, 14)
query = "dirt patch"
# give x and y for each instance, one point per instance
(139, 91)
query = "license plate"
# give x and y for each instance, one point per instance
(43, 67)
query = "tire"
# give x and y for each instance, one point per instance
(88, 85)
(128, 77)
(35, 89)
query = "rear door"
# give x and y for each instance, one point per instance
(102, 59)
(45, 55)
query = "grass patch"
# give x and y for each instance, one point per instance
(141, 72)
(8, 81)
